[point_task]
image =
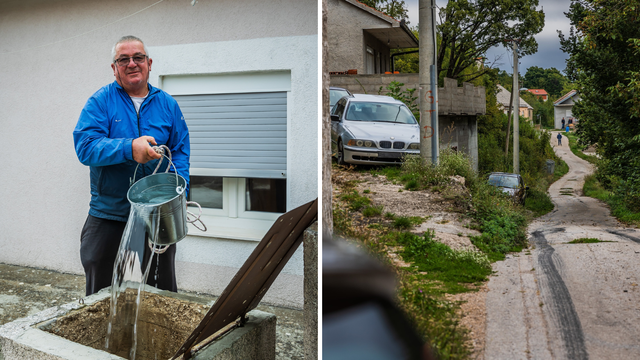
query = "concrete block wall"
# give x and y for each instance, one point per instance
(452, 100)
(461, 133)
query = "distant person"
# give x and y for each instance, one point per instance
(562, 123)
(570, 121)
(559, 139)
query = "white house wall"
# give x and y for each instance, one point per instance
(55, 54)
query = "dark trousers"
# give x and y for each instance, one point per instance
(99, 243)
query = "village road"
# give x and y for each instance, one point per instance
(568, 301)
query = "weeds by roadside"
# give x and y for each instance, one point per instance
(434, 269)
(577, 148)
(617, 204)
(593, 188)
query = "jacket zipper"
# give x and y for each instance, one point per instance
(138, 117)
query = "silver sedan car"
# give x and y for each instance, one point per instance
(373, 129)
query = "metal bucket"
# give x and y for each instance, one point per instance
(163, 203)
(163, 197)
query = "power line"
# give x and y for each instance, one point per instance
(84, 33)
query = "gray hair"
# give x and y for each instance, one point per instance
(125, 39)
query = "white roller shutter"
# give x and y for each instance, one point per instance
(237, 135)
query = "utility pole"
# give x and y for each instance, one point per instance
(516, 113)
(428, 79)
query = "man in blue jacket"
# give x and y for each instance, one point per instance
(115, 132)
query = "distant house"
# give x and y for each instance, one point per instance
(562, 108)
(360, 38)
(539, 93)
(524, 109)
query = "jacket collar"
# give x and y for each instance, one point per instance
(152, 90)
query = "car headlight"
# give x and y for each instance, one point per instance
(414, 146)
(361, 143)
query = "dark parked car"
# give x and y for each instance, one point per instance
(335, 94)
(512, 184)
(373, 130)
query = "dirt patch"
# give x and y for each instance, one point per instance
(473, 316)
(163, 325)
(441, 210)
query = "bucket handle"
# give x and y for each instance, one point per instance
(162, 150)
(197, 218)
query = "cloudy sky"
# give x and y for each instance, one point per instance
(549, 53)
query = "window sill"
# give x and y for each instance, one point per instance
(232, 229)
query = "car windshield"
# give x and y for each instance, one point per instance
(335, 95)
(370, 111)
(504, 181)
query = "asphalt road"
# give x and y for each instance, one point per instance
(568, 301)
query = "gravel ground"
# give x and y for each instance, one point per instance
(25, 291)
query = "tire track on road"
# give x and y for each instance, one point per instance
(560, 305)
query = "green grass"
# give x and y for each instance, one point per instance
(355, 200)
(577, 148)
(617, 203)
(437, 261)
(538, 202)
(406, 222)
(420, 296)
(587, 241)
(370, 211)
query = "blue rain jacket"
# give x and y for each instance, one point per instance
(108, 125)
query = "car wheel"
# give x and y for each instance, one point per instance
(340, 157)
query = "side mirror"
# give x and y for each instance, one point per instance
(526, 188)
(335, 118)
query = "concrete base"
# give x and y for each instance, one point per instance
(256, 340)
(25, 338)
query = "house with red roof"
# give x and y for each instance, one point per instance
(539, 93)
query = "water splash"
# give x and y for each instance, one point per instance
(130, 274)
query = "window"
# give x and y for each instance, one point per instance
(339, 108)
(238, 165)
(370, 61)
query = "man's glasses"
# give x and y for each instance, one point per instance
(124, 61)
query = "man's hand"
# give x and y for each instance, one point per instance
(142, 151)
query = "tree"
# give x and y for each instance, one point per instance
(469, 28)
(550, 80)
(604, 58)
(397, 9)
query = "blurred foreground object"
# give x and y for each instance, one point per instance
(360, 319)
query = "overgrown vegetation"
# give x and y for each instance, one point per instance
(407, 96)
(436, 269)
(619, 205)
(604, 61)
(577, 148)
